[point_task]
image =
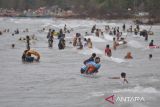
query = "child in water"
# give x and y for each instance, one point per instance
(151, 43)
(128, 56)
(91, 67)
(108, 51)
(75, 41)
(89, 43)
(90, 59)
(79, 44)
(123, 77)
(85, 42)
(114, 44)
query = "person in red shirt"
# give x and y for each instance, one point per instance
(108, 51)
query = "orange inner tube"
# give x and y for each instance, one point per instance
(91, 69)
(35, 53)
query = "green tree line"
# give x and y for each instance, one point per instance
(90, 7)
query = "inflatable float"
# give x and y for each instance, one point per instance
(122, 42)
(56, 33)
(153, 47)
(35, 53)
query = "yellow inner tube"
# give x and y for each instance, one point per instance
(55, 33)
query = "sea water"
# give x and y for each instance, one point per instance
(56, 80)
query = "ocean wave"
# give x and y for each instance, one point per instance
(95, 39)
(138, 89)
(108, 37)
(135, 44)
(90, 51)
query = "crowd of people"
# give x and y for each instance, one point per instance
(80, 41)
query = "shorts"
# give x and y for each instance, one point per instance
(29, 59)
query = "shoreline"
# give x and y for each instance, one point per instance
(88, 18)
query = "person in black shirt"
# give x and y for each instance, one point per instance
(90, 59)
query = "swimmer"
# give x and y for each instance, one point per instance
(128, 56)
(13, 45)
(90, 59)
(108, 51)
(114, 44)
(150, 56)
(79, 44)
(122, 77)
(89, 43)
(151, 43)
(91, 67)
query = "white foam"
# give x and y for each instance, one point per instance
(138, 89)
(135, 44)
(30, 21)
(90, 51)
(108, 37)
(95, 39)
(125, 34)
(117, 60)
(137, 36)
(97, 94)
(112, 24)
(47, 25)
